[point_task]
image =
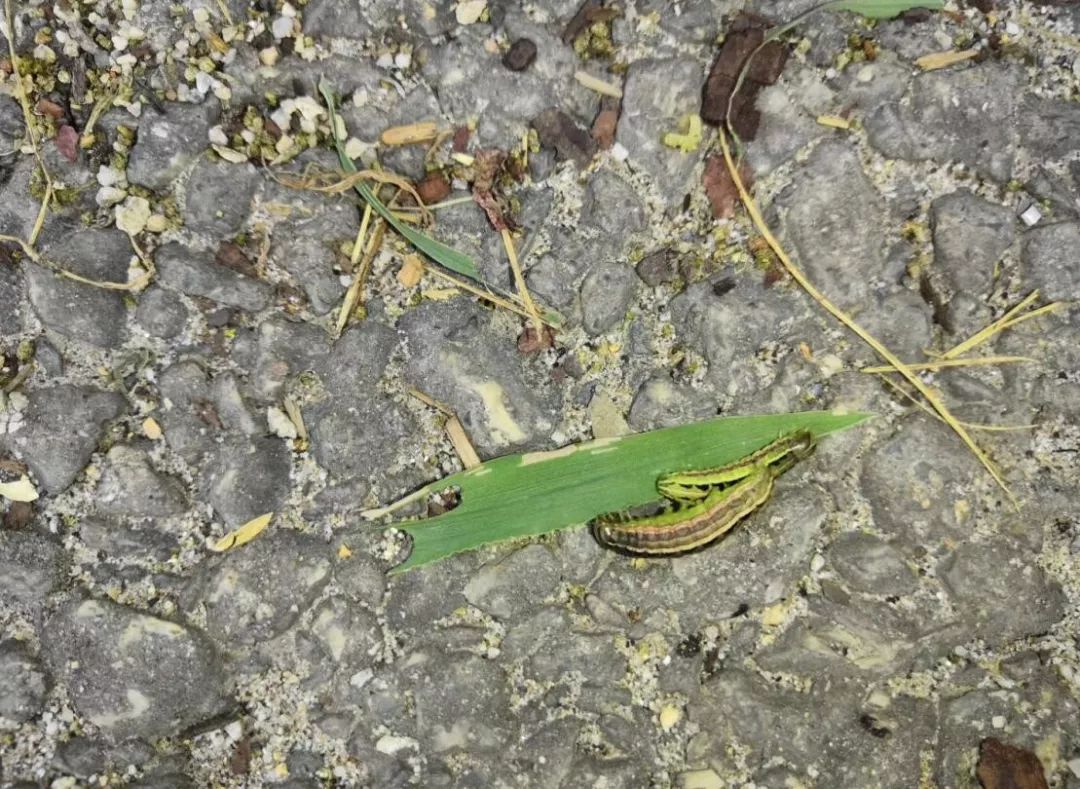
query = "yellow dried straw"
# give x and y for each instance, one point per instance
(931, 397)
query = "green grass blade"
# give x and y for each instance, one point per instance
(883, 9)
(437, 251)
(536, 493)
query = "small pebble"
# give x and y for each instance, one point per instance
(1031, 215)
(520, 56)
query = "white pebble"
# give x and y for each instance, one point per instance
(282, 27)
(1031, 215)
(217, 135)
(108, 176)
(109, 195)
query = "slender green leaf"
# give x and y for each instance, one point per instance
(436, 250)
(526, 495)
(883, 9)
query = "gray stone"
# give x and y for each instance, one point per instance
(820, 736)
(166, 144)
(160, 313)
(361, 578)
(416, 599)
(833, 215)
(515, 585)
(1048, 127)
(357, 360)
(343, 19)
(355, 437)
(307, 246)
(285, 349)
(19, 209)
(187, 417)
(999, 589)
(217, 197)
(81, 756)
(972, 699)
(841, 636)
(132, 674)
(232, 409)
(655, 96)
(606, 294)
(462, 703)
(22, 683)
(260, 590)
(31, 568)
(612, 206)
(1051, 257)
(1058, 196)
(60, 430)
(556, 275)
(731, 329)
(953, 114)
(501, 398)
(130, 486)
(545, 758)
(548, 646)
(11, 118)
(348, 635)
(914, 480)
(870, 565)
(115, 539)
(76, 310)
(1057, 391)
(187, 271)
(419, 104)
(508, 100)
(785, 127)
(661, 403)
(970, 236)
(356, 430)
(902, 321)
(11, 295)
(871, 84)
(658, 268)
(247, 477)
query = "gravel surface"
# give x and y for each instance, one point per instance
(888, 619)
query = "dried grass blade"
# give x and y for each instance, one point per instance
(796, 274)
(940, 364)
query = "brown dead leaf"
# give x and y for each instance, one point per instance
(720, 189)
(531, 341)
(67, 142)
(433, 188)
(19, 515)
(49, 108)
(605, 124)
(232, 256)
(744, 35)
(1004, 766)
